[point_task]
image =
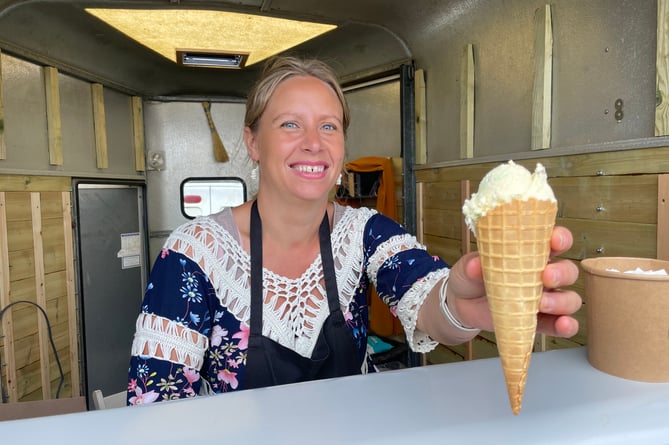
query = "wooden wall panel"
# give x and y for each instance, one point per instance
(37, 242)
(609, 200)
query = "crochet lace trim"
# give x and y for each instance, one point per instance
(409, 305)
(389, 248)
(166, 339)
(296, 308)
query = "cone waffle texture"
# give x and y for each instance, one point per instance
(514, 244)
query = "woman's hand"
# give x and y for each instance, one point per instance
(466, 292)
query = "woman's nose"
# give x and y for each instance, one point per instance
(312, 139)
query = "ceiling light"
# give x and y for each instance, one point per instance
(211, 60)
(168, 31)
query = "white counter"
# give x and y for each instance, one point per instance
(566, 402)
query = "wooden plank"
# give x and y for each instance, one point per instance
(3, 145)
(443, 223)
(607, 238)
(53, 117)
(71, 293)
(44, 345)
(465, 237)
(420, 212)
(447, 249)
(610, 163)
(100, 125)
(467, 102)
(40, 408)
(138, 132)
(624, 198)
(7, 340)
(543, 79)
(662, 69)
(663, 217)
(421, 117)
(20, 183)
(443, 195)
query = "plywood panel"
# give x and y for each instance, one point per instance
(629, 198)
(99, 125)
(3, 144)
(543, 79)
(622, 162)
(443, 223)
(597, 238)
(138, 132)
(54, 125)
(37, 245)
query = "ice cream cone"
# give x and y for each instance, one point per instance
(513, 241)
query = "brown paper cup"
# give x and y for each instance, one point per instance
(628, 318)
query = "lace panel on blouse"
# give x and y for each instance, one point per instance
(166, 339)
(413, 299)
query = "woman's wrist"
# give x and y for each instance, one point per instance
(448, 314)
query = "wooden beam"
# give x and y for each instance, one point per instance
(20, 183)
(467, 103)
(3, 146)
(99, 125)
(662, 69)
(138, 132)
(663, 217)
(7, 323)
(53, 119)
(42, 328)
(466, 238)
(71, 293)
(543, 79)
(421, 117)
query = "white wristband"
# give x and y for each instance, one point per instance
(447, 313)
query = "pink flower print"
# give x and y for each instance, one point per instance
(393, 310)
(132, 385)
(191, 375)
(142, 398)
(348, 316)
(217, 335)
(228, 377)
(243, 336)
(232, 363)
(164, 252)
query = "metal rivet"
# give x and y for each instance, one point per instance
(599, 250)
(600, 173)
(599, 208)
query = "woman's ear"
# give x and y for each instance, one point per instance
(251, 145)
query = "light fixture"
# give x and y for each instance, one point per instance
(211, 59)
(212, 34)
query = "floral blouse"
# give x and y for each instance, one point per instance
(192, 333)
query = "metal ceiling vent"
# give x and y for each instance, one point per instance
(211, 59)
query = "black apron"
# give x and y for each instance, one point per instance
(269, 363)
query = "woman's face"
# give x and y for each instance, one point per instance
(299, 141)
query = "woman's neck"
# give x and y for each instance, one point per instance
(290, 224)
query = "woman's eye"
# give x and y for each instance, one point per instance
(289, 125)
(330, 127)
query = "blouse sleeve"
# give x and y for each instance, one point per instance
(172, 331)
(403, 273)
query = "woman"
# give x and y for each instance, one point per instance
(274, 291)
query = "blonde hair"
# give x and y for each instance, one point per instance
(280, 68)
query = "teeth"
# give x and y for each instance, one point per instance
(310, 168)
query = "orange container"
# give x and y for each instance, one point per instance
(628, 317)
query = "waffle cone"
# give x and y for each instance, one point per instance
(514, 245)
